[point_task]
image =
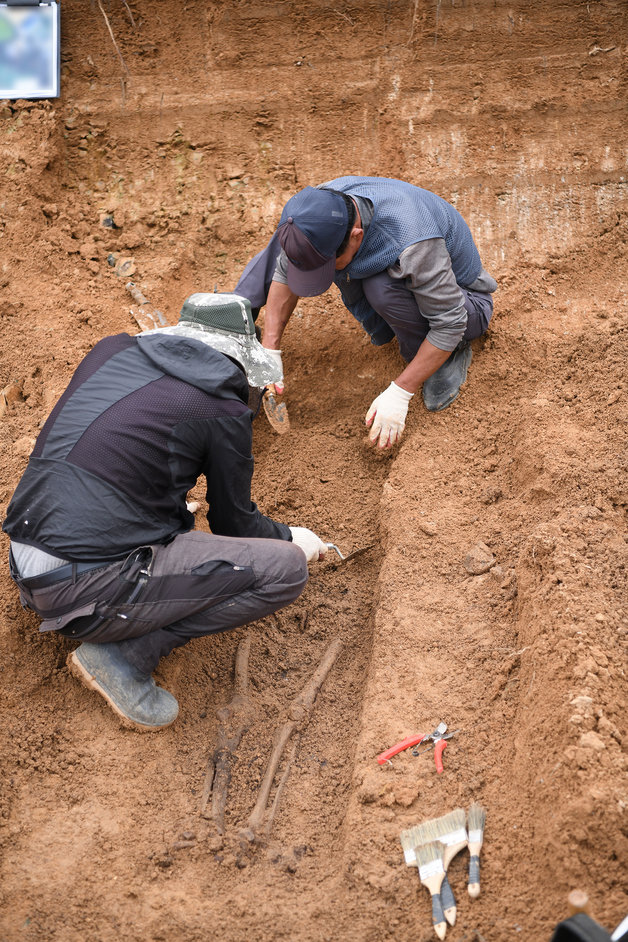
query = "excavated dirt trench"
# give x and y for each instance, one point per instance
(190, 133)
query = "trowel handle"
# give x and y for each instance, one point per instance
(335, 548)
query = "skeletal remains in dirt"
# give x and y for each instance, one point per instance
(233, 719)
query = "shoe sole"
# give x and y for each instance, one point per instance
(88, 680)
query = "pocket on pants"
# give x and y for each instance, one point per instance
(222, 578)
(210, 581)
(62, 622)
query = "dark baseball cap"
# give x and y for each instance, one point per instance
(311, 229)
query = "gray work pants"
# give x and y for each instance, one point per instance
(160, 597)
(396, 304)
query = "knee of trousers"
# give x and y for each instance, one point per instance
(283, 565)
(479, 307)
(389, 296)
(295, 569)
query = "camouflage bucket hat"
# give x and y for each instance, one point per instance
(225, 322)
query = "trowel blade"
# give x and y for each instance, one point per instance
(358, 552)
(345, 559)
(276, 411)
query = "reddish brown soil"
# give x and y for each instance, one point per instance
(192, 133)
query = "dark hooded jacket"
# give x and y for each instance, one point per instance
(141, 419)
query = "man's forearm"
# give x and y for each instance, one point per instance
(427, 360)
(280, 304)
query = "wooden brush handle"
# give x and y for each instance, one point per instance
(451, 850)
(474, 875)
(447, 897)
(438, 916)
(578, 902)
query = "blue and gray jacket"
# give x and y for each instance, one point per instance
(402, 215)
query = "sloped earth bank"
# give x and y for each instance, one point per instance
(189, 134)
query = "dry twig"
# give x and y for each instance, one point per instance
(128, 10)
(113, 38)
(345, 16)
(414, 19)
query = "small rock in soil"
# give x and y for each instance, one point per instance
(428, 528)
(479, 559)
(591, 740)
(124, 267)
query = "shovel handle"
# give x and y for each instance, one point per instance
(399, 747)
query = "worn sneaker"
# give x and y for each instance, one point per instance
(442, 387)
(133, 695)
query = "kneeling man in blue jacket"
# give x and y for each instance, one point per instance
(407, 267)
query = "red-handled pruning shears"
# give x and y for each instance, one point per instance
(399, 747)
(438, 741)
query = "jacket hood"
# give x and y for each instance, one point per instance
(196, 363)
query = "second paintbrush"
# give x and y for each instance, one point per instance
(477, 819)
(450, 830)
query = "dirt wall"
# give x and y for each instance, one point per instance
(181, 130)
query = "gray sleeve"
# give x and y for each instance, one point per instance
(281, 268)
(426, 268)
(484, 282)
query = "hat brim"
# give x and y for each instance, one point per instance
(260, 367)
(309, 284)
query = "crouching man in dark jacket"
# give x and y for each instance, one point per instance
(102, 545)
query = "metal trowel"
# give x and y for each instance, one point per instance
(276, 411)
(345, 559)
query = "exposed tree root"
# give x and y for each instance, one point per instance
(282, 781)
(113, 39)
(299, 712)
(232, 718)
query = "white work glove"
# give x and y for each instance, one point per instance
(276, 355)
(388, 414)
(312, 546)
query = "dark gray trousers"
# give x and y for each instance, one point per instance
(397, 306)
(162, 596)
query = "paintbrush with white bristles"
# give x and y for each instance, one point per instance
(429, 860)
(476, 820)
(450, 830)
